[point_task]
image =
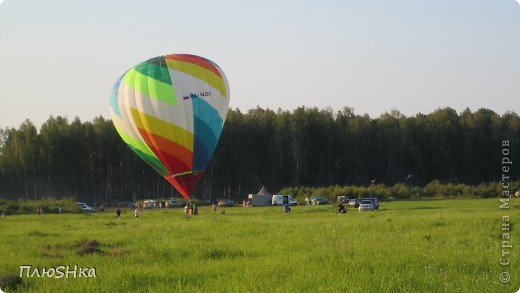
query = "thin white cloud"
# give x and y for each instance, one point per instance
(518, 1)
(2, 1)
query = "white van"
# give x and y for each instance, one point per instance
(85, 208)
(278, 200)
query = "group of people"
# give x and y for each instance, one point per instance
(191, 209)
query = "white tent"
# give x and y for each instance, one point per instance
(261, 198)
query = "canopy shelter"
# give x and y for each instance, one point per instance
(261, 198)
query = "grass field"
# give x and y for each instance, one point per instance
(406, 246)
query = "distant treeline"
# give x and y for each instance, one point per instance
(305, 147)
(434, 189)
(45, 206)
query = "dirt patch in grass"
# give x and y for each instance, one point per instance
(87, 247)
(82, 247)
(9, 281)
(44, 246)
(215, 254)
(48, 250)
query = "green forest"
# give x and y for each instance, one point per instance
(306, 147)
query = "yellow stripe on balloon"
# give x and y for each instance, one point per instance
(162, 128)
(199, 72)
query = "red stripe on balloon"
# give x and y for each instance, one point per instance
(176, 158)
(195, 60)
(185, 183)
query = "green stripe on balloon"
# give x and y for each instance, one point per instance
(152, 162)
(155, 68)
(150, 87)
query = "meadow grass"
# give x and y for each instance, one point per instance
(406, 246)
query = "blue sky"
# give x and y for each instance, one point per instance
(62, 57)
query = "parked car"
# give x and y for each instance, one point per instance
(226, 203)
(85, 208)
(175, 203)
(366, 205)
(343, 199)
(317, 200)
(374, 201)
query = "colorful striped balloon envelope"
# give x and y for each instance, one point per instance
(170, 111)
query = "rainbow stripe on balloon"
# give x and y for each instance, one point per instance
(170, 111)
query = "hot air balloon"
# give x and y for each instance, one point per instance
(170, 111)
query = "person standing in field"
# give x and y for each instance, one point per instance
(136, 212)
(341, 208)
(118, 214)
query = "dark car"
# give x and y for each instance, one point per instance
(175, 203)
(374, 200)
(226, 203)
(343, 199)
(317, 200)
(354, 202)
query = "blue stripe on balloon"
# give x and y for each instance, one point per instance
(114, 98)
(207, 129)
